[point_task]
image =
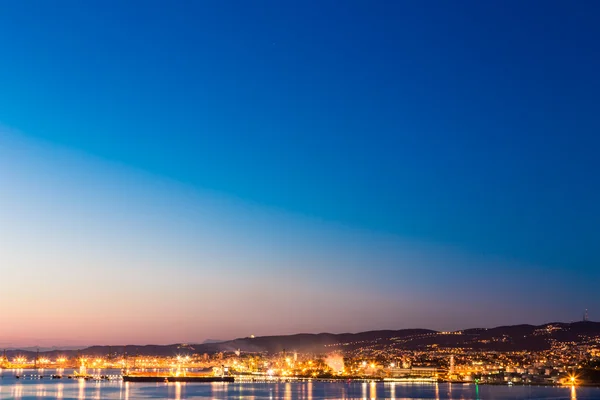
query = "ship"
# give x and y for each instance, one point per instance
(172, 378)
(179, 375)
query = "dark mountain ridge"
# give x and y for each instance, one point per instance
(502, 338)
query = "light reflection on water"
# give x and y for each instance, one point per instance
(177, 390)
(81, 383)
(70, 389)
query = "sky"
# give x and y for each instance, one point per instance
(179, 171)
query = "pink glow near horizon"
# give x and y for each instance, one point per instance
(96, 254)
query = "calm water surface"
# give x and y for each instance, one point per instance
(45, 388)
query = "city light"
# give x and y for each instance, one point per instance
(560, 364)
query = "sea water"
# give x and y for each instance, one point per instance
(32, 387)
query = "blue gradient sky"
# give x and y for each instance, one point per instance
(232, 168)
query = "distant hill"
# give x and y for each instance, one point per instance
(46, 349)
(503, 338)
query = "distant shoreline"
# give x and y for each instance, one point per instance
(357, 379)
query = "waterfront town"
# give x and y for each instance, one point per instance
(574, 362)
